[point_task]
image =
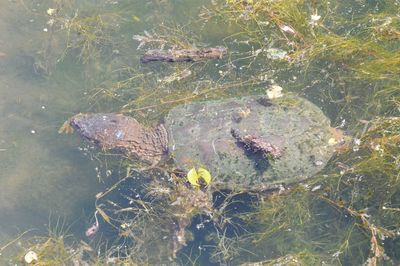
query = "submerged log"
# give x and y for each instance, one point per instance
(183, 55)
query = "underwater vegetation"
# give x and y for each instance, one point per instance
(75, 30)
(344, 56)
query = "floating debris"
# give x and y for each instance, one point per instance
(276, 53)
(287, 29)
(332, 142)
(275, 91)
(51, 11)
(194, 176)
(30, 257)
(92, 230)
(314, 18)
(316, 188)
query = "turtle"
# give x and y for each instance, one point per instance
(247, 142)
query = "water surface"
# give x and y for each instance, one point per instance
(59, 58)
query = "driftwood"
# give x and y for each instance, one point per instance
(255, 144)
(183, 55)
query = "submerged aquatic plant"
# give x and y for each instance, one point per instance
(84, 33)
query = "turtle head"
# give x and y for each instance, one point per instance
(97, 128)
(124, 133)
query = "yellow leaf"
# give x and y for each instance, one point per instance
(193, 178)
(205, 175)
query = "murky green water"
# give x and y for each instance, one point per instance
(43, 175)
(62, 57)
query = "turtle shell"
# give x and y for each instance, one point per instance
(200, 135)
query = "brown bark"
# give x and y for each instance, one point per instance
(183, 55)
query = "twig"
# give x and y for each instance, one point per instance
(16, 239)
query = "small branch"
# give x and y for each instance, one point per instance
(183, 55)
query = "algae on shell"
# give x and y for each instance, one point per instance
(199, 135)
